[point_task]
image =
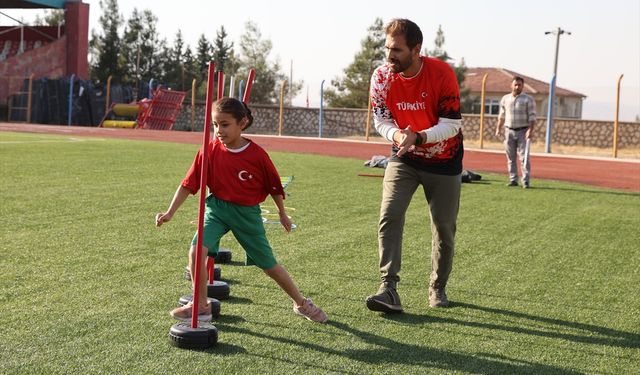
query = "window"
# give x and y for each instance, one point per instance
(491, 106)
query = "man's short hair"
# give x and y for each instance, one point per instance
(518, 79)
(403, 26)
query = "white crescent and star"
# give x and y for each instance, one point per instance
(244, 175)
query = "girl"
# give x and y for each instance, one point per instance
(240, 176)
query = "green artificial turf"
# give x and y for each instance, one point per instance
(545, 280)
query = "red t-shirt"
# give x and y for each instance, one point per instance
(245, 178)
(420, 101)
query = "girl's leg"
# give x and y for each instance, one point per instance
(281, 276)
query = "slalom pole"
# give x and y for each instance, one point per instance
(203, 194)
(220, 84)
(247, 90)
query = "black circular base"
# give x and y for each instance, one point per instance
(223, 256)
(215, 304)
(184, 336)
(217, 273)
(218, 290)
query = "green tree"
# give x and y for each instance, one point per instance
(254, 54)
(174, 68)
(460, 70)
(141, 55)
(51, 17)
(223, 50)
(105, 45)
(352, 90)
(204, 54)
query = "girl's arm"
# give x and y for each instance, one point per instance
(178, 198)
(284, 219)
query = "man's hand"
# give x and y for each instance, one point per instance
(405, 139)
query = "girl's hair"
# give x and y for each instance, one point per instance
(235, 108)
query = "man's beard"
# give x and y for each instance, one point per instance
(398, 66)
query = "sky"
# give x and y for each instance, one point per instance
(319, 39)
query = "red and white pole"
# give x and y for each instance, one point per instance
(247, 91)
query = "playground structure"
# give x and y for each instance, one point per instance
(157, 113)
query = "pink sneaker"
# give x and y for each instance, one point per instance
(310, 311)
(184, 313)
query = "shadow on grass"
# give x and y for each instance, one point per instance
(582, 333)
(608, 336)
(389, 351)
(237, 300)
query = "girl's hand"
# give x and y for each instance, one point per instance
(285, 221)
(162, 218)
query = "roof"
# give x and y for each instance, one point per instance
(499, 81)
(34, 4)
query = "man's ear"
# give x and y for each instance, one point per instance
(417, 48)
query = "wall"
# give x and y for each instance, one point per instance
(46, 61)
(351, 123)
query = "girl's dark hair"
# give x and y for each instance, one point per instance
(235, 108)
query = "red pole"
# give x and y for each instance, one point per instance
(203, 194)
(210, 267)
(247, 91)
(220, 84)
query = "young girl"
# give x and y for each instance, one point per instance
(240, 176)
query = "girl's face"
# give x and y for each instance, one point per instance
(228, 130)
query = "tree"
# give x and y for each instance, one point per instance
(352, 90)
(204, 54)
(222, 50)
(460, 70)
(141, 55)
(105, 46)
(254, 53)
(52, 17)
(174, 68)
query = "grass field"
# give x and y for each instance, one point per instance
(545, 281)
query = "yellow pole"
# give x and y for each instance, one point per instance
(368, 124)
(281, 107)
(615, 124)
(193, 105)
(29, 96)
(484, 87)
(108, 98)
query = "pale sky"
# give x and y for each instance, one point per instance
(322, 37)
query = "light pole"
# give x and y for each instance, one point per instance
(552, 87)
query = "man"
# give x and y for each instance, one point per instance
(416, 105)
(518, 116)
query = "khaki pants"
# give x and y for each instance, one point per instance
(443, 196)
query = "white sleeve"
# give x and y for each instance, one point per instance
(444, 129)
(386, 127)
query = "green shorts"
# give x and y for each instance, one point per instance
(245, 222)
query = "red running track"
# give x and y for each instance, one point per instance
(603, 172)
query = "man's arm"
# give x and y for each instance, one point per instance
(531, 115)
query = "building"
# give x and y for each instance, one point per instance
(43, 51)
(568, 103)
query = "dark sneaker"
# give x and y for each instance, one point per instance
(512, 183)
(438, 297)
(310, 311)
(525, 185)
(386, 300)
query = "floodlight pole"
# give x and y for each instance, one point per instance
(552, 87)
